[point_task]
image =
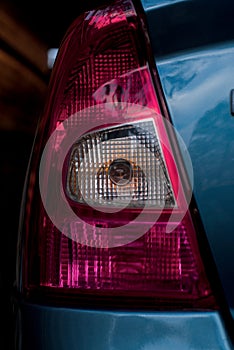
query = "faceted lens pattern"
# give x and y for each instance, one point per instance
(91, 157)
(156, 260)
(103, 58)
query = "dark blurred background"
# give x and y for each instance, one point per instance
(27, 31)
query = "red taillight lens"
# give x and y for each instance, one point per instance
(107, 215)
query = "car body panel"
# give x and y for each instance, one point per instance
(197, 87)
(197, 80)
(50, 328)
(176, 25)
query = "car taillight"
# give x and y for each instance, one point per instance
(106, 216)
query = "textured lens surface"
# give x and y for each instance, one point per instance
(103, 61)
(90, 177)
(156, 262)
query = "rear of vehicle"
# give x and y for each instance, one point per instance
(126, 229)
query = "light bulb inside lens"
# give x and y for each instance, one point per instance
(120, 172)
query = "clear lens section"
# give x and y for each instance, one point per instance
(118, 165)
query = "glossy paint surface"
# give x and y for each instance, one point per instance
(197, 80)
(197, 87)
(182, 24)
(50, 328)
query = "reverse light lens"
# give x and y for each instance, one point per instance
(102, 65)
(111, 166)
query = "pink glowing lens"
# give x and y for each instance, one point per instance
(102, 60)
(157, 263)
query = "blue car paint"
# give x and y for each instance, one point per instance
(197, 83)
(176, 25)
(51, 328)
(199, 103)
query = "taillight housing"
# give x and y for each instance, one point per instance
(107, 219)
